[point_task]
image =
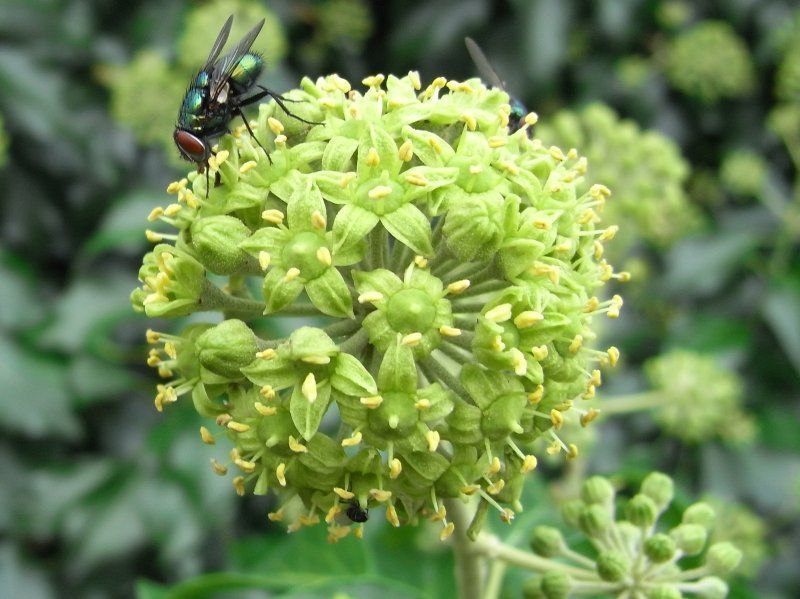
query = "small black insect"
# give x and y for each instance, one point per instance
(218, 93)
(518, 110)
(356, 513)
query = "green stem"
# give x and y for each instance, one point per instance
(494, 582)
(634, 402)
(377, 247)
(437, 371)
(469, 565)
(213, 299)
(356, 343)
(467, 305)
(343, 327)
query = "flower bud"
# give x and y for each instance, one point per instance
(612, 566)
(556, 585)
(571, 512)
(641, 511)
(699, 513)
(532, 588)
(723, 558)
(660, 548)
(597, 490)
(690, 538)
(226, 348)
(659, 488)
(711, 587)
(216, 240)
(594, 521)
(547, 541)
(664, 591)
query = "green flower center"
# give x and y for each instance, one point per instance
(301, 252)
(411, 310)
(396, 417)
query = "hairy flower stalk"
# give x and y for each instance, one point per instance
(456, 266)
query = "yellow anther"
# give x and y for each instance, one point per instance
(217, 468)
(528, 318)
(391, 516)
(266, 354)
(379, 192)
(373, 80)
(598, 190)
(434, 143)
(380, 495)
(422, 404)
(616, 304)
(590, 392)
(556, 153)
(354, 111)
(309, 388)
(346, 179)
(557, 418)
(267, 392)
(554, 448)
(509, 167)
(177, 186)
(155, 214)
(609, 233)
(458, 286)
(324, 256)
(624, 276)
(592, 304)
(499, 313)
(613, 355)
(412, 339)
(215, 161)
(352, 440)
(536, 395)
(273, 216)
(317, 360)
(238, 485)
(539, 352)
(172, 209)
(496, 487)
(497, 343)
(507, 515)
(440, 514)
(518, 362)
(589, 416)
(395, 468)
(448, 331)
(238, 427)
(318, 220)
(169, 349)
(529, 463)
(248, 166)
(265, 410)
(494, 466)
(152, 336)
(439, 82)
(406, 151)
(206, 436)
(497, 141)
(152, 236)
(372, 401)
(597, 378)
(413, 77)
(373, 159)
(576, 345)
(280, 139)
(275, 125)
(370, 296)
(470, 121)
(358, 532)
(327, 102)
(280, 473)
(447, 531)
(475, 169)
(276, 516)
(531, 119)
(264, 259)
(296, 446)
(291, 274)
(572, 451)
(331, 514)
(421, 261)
(310, 520)
(417, 179)
(343, 493)
(245, 465)
(223, 420)
(470, 489)
(433, 438)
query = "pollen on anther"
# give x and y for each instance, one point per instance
(309, 388)
(273, 216)
(324, 256)
(291, 274)
(264, 259)
(373, 159)
(370, 296)
(379, 192)
(206, 436)
(412, 339)
(280, 474)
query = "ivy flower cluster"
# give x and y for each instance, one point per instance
(710, 62)
(633, 556)
(645, 169)
(458, 267)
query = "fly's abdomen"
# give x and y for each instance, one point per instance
(246, 71)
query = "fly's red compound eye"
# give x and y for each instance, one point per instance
(191, 146)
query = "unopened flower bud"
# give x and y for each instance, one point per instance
(597, 490)
(659, 488)
(547, 541)
(226, 348)
(723, 558)
(556, 585)
(699, 513)
(690, 538)
(660, 548)
(641, 511)
(711, 587)
(216, 240)
(612, 566)
(595, 521)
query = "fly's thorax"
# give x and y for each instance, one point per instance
(517, 115)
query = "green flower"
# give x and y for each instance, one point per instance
(459, 264)
(710, 62)
(644, 168)
(698, 398)
(737, 524)
(743, 172)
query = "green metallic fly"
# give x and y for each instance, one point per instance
(518, 110)
(218, 93)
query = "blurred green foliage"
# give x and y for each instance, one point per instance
(102, 495)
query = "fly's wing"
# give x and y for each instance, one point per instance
(484, 67)
(223, 68)
(222, 37)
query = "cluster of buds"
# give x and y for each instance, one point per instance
(644, 168)
(710, 62)
(456, 266)
(632, 557)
